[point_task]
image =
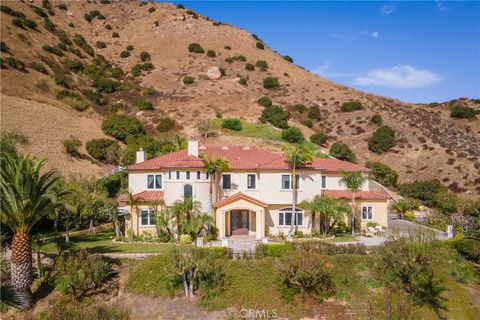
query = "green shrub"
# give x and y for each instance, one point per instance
(61, 80)
(265, 102)
(79, 310)
(73, 99)
(122, 126)
(351, 106)
(49, 25)
(381, 140)
(108, 27)
(137, 69)
(470, 248)
(71, 146)
(293, 135)
(261, 251)
(16, 63)
(262, 64)
(124, 54)
(260, 45)
(71, 25)
(79, 274)
(94, 13)
(192, 13)
(227, 48)
(30, 24)
(55, 50)
(222, 71)
(307, 122)
(377, 119)
(300, 108)
(17, 23)
(82, 43)
(188, 80)
(276, 116)
(38, 11)
(87, 17)
(319, 138)
(94, 97)
(409, 215)
(211, 53)
(73, 65)
(62, 7)
(4, 47)
(143, 105)
(242, 81)
(457, 111)
(130, 48)
(152, 9)
(10, 11)
(288, 58)
(63, 37)
(38, 67)
(166, 124)
(235, 58)
(383, 174)
(314, 113)
(196, 48)
(117, 107)
(422, 190)
(145, 56)
(271, 83)
(106, 85)
(115, 35)
(342, 151)
(249, 67)
(232, 124)
(101, 45)
(102, 149)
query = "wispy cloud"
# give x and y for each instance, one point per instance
(356, 35)
(325, 70)
(388, 9)
(399, 77)
(441, 6)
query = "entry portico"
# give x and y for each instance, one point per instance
(240, 214)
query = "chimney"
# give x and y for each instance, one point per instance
(193, 146)
(141, 155)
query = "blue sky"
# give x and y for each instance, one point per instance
(420, 51)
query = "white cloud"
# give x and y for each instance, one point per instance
(399, 77)
(324, 70)
(355, 35)
(375, 34)
(387, 9)
(441, 6)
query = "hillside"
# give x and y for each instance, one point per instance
(428, 142)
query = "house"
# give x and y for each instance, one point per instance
(252, 198)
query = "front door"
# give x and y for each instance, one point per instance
(239, 222)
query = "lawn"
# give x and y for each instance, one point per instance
(344, 237)
(101, 242)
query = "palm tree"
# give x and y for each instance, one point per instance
(133, 203)
(329, 209)
(184, 211)
(354, 181)
(25, 196)
(297, 156)
(213, 167)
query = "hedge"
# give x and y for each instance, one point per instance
(122, 126)
(381, 140)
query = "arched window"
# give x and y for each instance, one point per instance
(187, 191)
(285, 217)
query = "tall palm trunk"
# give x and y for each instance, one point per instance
(91, 227)
(294, 201)
(21, 268)
(211, 195)
(131, 223)
(353, 212)
(67, 231)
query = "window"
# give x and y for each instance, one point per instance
(187, 191)
(178, 175)
(287, 181)
(251, 181)
(188, 175)
(227, 181)
(169, 175)
(324, 182)
(207, 176)
(367, 213)
(154, 181)
(285, 217)
(198, 175)
(147, 218)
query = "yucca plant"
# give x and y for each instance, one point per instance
(25, 196)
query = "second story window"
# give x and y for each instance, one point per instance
(169, 175)
(198, 175)
(227, 181)
(251, 181)
(178, 175)
(188, 175)
(287, 181)
(324, 182)
(154, 181)
(187, 191)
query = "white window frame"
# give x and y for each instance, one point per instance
(371, 211)
(231, 181)
(299, 185)
(322, 180)
(155, 181)
(286, 210)
(256, 181)
(149, 218)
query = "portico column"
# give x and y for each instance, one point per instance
(260, 224)
(221, 227)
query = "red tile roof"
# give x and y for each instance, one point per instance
(361, 195)
(237, 196)
(149, 196)
(240, 158)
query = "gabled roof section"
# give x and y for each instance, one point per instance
(361, 195)
(238, 196)
(240, 158)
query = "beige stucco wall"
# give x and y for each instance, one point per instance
(273, 228)
(137, 228)
(256, 217)
(379, 212)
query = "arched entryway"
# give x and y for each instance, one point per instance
(240, 222)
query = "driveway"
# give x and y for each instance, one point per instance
(405, 227)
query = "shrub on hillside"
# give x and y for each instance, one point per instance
(138, 68)
(342, 151)
(122, 126)
(211, 53)
(53, 49)
(32, 24)
(143, 105)
(108, 27)
(106, 85)
(16, 63)
(129, 48)
(319, 138)
(271, 83)
(62, 7)
(152, 9)
(249, 67)
(232, 124)
(115, 35)
(227, 48)
(71, 146)
(101, 45)
(73, 65)
(288, 58)
(82, 43)
(38, 67)
(145, 56)
(166, 124)
(259, 45)
(17, 23)
(293, 135)
(276, 116)
(125, 54)
(377, 119)
(265, 102)
(242, 81)
(94, 97)
(422, 190)
(4, 47)
(188, 80)
(314, 113)
(60, 80)
(383, 174)
(262, 64)
(102, 149)
(49, 25)
(72, 99)
(381, 140)
(195, 48)
(457, 111)
(351, 106)
(307, 122)
(300, 108)
(39, 11)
